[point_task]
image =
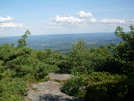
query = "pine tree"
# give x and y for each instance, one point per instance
(22, 41)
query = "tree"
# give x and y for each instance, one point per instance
(123, 56)
(22, 41)
(85, 60)
(100, 58)
(79, 58)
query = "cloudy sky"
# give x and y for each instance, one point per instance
(64, 16)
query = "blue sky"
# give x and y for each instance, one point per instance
(64, 16)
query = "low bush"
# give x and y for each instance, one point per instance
(12, 89)
(103, 86)
(74, 86)
(17, 67)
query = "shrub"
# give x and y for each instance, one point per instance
(23, 61)
(18, 65)
(65, 65)
(12, 89)
(73, 87)
(102, 86)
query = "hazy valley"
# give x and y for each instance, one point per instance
(64, 42)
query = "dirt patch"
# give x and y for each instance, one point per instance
(57, 76)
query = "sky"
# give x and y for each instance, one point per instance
(46, 17)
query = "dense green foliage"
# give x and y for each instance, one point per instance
(73, 86)
(20, 65)
(84, 60)
(11, 88)
(24, 62)
(105, 73)
(102, 86)
(123, 57)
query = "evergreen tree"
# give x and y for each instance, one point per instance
(22, 41)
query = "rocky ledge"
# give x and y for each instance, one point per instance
(50, 90)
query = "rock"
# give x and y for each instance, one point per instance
(50, 90)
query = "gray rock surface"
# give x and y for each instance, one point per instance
(50, 90)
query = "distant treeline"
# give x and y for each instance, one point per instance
(64, 42)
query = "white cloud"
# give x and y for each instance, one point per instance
(112, 24)
(53, 27)
(112, 21)
(93, 20)
(83, 14)
(3, 25)
(36, 30)
(68, 19)
(130, 20)
(6, 19)
(51, 23)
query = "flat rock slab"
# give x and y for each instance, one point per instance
(50, 90)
